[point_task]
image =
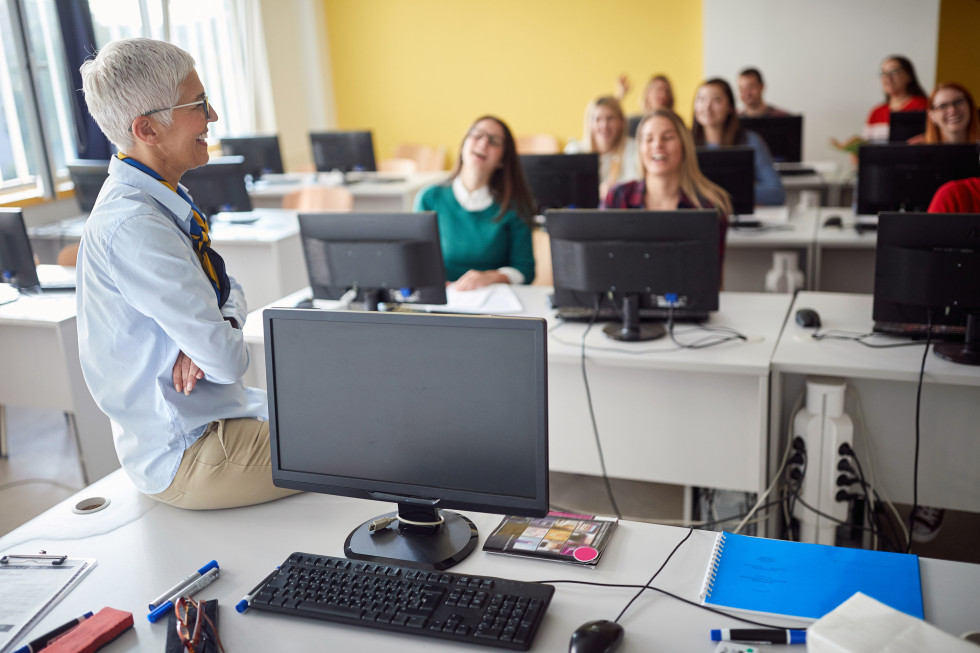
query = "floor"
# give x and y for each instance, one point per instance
(43, 469)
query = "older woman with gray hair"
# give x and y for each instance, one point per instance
(159, 319)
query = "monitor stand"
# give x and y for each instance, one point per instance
(631, 330)
(964, 353)
(424, 538)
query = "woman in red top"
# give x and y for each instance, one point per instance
(952, 116)
(902, 93)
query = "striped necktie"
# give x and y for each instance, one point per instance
(211, 262)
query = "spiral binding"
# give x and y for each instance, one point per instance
(708, 585)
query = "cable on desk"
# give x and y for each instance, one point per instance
(595, 427)
(918, 416)
(862, 338)
(655, 574)
(705, 342)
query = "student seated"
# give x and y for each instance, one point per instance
(159, 318)
(750, 89)
(716, 125)
(484, 211)
(952, 116)
(959, 196)
(606, 133)
(671, 177)
(658, 93)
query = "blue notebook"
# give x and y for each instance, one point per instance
(795, 579)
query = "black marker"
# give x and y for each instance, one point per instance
(759, 635)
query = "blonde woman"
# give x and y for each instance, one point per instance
(671, 177)
(605, 133)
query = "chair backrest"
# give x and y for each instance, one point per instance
(68, 255)
(537, 144)
(319, 198)
(400, 166)
(429, 159)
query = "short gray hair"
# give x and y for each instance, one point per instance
(130, 77)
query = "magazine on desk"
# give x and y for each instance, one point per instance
(560, 536)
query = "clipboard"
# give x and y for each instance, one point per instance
(30, 585)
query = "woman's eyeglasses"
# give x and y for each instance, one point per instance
(958, 102)
(205, 105)
(492, 139)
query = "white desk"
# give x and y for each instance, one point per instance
(829, 181)
(844, 260)
(370, 196)
(266, 257)
(748, 252)
(39, 359)
(143, 547)
(679, 417)
(886, 380)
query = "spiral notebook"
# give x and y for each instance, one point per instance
(795, 579)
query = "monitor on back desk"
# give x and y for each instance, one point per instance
(783, 135)
(219, 186)
(560, 181)
(347, 151)
(261, 153)
(732, 168)
(17, 258)
(903, 125)
(426, 411)
(87, 176)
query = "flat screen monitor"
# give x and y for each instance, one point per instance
(903, 125)
(382, 406)
(261, 153)
(561, 181)
(732, 168)
(385, 257)
(219, 185)
(656, 259)
(783, 135)
(87, 175)
(634, 124)
(16, 255)
(347, 151)
(927, 273)
(905, 177)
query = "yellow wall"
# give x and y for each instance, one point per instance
(958, 58)
(421, 71)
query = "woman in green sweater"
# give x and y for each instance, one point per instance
(484, 211)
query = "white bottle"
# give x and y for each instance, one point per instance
(824, 427)
(785, 275)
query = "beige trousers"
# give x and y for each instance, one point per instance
(229, 466)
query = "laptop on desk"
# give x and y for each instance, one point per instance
(56, 278)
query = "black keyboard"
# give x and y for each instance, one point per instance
(475, 609)
(608, 314)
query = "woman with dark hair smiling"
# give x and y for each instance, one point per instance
(716, 125)
(902, 93)
(484, 211)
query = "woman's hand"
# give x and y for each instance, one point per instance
(186, 374)
(622, 87)
(474, 279)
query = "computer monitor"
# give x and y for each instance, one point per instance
(87, 175)
(428, 411)
(219, 185)
(386, 257)
(903, 125)
(732, 168)
(783, 135)
(262, 154)
(927, 272)
(905, 177)
(658, 259)
(16, 255)
(634, 124)
(347, 151)
(563, 180)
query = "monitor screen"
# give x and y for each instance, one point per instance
(560, 181)
(905, 177)
(732, 168)
(16, 255)
(87, 175)
(903, 125)
(783, 135)
(387, 257)
(348, 151)
(927, 272)
(261, 153)
(653, 259)
(634, 124)
(219, 185)
(382, 406)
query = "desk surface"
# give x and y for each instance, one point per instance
(285, 184)
(797, 352)
(142, 547)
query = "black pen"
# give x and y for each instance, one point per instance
(759, 635)
(243, 604)
(46, 638)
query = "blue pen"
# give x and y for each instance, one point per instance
(245, 602)
(189, 590)
(46, 638)
(759, 635)
(182, 584)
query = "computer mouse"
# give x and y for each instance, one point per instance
(600, 636)
(808, 318)
(834, 221)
